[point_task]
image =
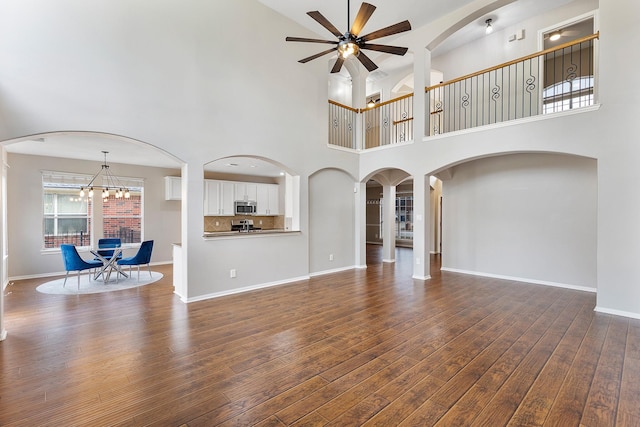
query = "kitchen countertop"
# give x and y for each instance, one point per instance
(254, 233)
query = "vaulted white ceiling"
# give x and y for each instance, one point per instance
(388, 12)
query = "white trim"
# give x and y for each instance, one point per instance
(3, 335)
(360, 267)
(335, 270)
(617, 312)
(62, 273)
(421, 277)
(388, 260)
(521, 279)
(245, 289)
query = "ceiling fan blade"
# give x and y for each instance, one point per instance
(366, 61)
(324, 22)
(365, 12)
(338, 65)
(302, 39)
(400, 27)
(396, 50)
(317, 55)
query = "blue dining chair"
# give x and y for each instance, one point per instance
(73, 262)
(106, 245)
(142, 257)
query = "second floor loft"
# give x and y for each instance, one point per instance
(556, 79)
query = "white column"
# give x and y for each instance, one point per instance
(3, 241)
(421, 79)
(192, 215)
(421, 227)
(421, 187)
(389, 223)
(358, 98)
(360, 201)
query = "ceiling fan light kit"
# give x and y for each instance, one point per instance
(350, 43)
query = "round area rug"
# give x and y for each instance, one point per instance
(96, 286)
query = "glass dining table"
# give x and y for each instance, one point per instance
(109, 262)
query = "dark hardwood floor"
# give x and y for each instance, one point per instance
(365, 347)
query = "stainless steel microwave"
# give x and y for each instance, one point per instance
(245, 207)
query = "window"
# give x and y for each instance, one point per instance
(123, 217)
(404, 217)
(69, 218)
(66, 216)
(567, 95)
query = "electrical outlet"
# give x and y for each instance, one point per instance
(232, 273)
(217, 223)
(330, 257)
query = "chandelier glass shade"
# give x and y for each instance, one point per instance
(110, 183)
(348, 47)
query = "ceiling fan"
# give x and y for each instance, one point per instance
(350, 43)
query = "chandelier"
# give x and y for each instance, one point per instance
(110, 182)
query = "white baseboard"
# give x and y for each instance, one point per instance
(617, 312)
(521, 279)
(245, 289)
(421, 277)
(3, 335)
(335, 270)
(389, 260)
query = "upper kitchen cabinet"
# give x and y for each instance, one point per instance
(218, 198)
(268, 199)
(246, 191)
(172, 188)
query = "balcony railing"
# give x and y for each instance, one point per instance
(553, 80)
(342, 125)
(389, 122)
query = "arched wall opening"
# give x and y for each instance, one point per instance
(81, 154)
(389, 211)
(250, 193)
(23, 222)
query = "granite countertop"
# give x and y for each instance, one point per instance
(245, 233)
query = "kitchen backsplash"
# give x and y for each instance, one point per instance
(224, 222)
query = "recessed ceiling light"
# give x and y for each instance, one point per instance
(232, 164)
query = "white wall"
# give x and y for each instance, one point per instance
(331, 204)
(490, 50)
(164, 73)
(24, 211)
(156, 71)
(527, 216)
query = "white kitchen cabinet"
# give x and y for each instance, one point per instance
(218, 198)
(268, 198)
(172, 188)
(245, 191)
